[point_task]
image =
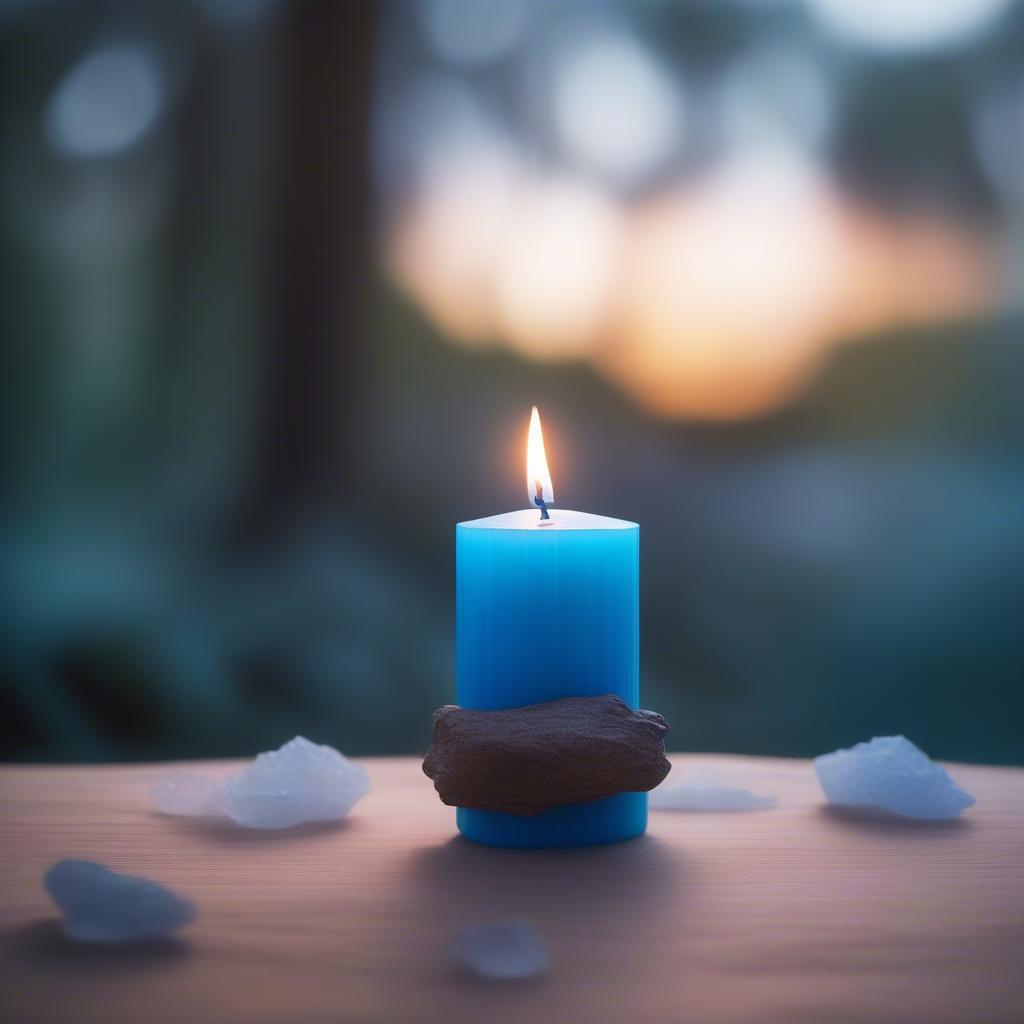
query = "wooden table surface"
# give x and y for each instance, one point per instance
(792, 915)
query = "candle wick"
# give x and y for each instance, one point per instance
(539, 500)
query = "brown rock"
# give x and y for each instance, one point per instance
(530, 759)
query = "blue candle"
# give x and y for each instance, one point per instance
(548, 608)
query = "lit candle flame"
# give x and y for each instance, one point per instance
(538, 476)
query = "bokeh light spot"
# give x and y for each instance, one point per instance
(468, 33)
(557, 270)
(106, 103)
(617, 109)
(907, 24)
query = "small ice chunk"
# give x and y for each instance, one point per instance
(301, 782)
(890, 773)
(709, 791)
(501, 951)
(188, 793)
(99, 905)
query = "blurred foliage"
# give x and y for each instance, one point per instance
(234, 452)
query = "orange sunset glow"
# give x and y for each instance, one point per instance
(713, 301)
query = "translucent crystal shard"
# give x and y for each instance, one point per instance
(891, 774)
(708, 792)
(100, 905)
(299, 783)
(501, 951)
(188, 793)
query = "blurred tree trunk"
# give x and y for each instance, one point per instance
(319, 264)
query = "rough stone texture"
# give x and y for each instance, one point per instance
(530, 759)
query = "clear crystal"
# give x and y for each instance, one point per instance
(99, 905)
(890, 773)
(301, 782)
(709, 791)
(188, 793)
(501, 951)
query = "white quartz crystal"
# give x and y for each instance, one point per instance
(501, 951)
(99, 905)
(708, 791)
(301, 782)
(890, 773)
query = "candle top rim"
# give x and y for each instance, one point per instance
(562, 519)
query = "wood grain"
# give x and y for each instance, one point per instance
(791, 915)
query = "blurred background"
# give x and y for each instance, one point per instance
(282, 279)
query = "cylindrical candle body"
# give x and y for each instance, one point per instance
(542, 612)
